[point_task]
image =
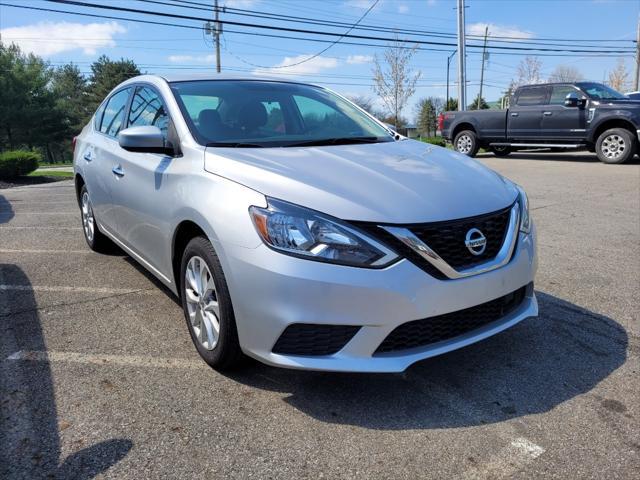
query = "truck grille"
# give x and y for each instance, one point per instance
(420, 333)
(308, 339)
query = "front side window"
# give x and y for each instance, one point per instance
(532, 96)
(559, 94)
(147, 108)
(251, 113)
(113, 117)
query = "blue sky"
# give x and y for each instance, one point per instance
(345, 68)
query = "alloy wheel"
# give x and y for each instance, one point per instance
(613, 146)
(88, 222)
(202, 303)
(464, 144)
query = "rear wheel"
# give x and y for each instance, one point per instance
(207, 306)
(96, 240)
(501, 151)
(616, 145)
(466, 143)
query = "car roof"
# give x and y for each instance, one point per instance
(186, 77)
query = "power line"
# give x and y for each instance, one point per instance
(316, 32)
(287, 37)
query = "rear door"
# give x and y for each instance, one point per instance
(560, 123)
(140, 194)
(99, 155)
(525, 116)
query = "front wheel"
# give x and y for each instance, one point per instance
(615, 145)
(207, 306)
(466, 143)
(96, 240)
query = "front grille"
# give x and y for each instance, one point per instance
(447, 239)
(420, 333)
(308, 339)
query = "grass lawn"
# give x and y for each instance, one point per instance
(51, 173)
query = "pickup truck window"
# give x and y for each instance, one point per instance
(560, 92)
(532, 96)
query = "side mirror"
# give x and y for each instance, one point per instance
(574, 100)
(144, 139)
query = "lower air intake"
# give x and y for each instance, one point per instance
(420, 333)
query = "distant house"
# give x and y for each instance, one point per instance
(410, 130)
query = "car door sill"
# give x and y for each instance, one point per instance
(537, 145)
(139, 258)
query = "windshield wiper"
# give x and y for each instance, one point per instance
(235, 145)
(334, 141)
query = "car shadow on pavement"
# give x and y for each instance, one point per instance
(6, 210)
(30, 445)
(528, 369)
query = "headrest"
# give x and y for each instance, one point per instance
(252, 115)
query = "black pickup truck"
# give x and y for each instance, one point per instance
(583, 115)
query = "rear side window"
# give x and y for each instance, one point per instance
(147, 108)
(560, 92)
(532, 96)
(97, 118)
(113, 118)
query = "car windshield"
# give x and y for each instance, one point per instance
(251, 113)
(597, 91)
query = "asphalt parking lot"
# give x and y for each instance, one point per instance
(98, 376)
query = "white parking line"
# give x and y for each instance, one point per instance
(515, 456)
(39, 228)
(46, 288)
(100, 359)
(13, 250)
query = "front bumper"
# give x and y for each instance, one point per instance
(270, 291)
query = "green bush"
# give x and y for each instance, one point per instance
(439, 141)
(15, 163)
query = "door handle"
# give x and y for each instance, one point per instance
(515, 114)
(117, 170)
(88, 156)
(547, 114)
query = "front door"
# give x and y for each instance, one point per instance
(563, 124)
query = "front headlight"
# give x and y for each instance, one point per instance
(525, 218)
(305, 233)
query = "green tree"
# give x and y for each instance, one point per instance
(451, 105)
(427, 117)
(106, 74)
(483, 104)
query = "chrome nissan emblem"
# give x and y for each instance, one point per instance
(475, 241)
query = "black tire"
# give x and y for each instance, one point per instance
(466, 143)
(96, 240)
(615, 146)
(225, 353)
(501, 151)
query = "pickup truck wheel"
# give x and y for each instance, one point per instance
(501, 151)
(616, 145)
(466, 143)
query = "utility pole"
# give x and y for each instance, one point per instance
(462, 57)
(446, 104)
(484, 55)
(215, 31)
(636, 79)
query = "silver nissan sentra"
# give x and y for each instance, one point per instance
(299, 230)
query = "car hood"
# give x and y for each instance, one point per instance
(394, 182)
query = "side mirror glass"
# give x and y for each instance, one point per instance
(144, 139)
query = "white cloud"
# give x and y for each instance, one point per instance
(359, 59)
(49, 38)
(191, 58)
(402, 8)
(314, 65)
(240, 3)
(498, 30)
